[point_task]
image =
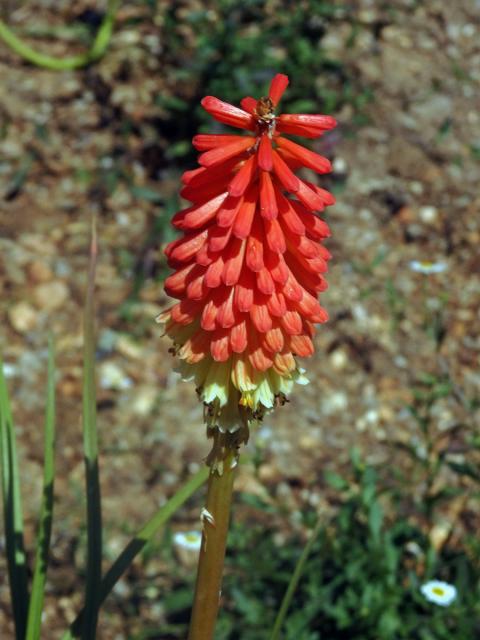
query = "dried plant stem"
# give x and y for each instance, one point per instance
(215, 520)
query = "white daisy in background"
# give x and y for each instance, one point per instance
(439, 592)
(427, 268)
(190, 540)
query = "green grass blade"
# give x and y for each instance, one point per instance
(293, 584)
(97, 50)
(139, 541)
(90, 449)
(34, 622)
(12, 512)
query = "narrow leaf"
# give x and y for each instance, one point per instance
(90, 449)
(293, 584)
(34, 622)
(12, 513)
(138, 542)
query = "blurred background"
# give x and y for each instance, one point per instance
(383, 445)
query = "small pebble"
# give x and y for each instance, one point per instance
(268, 473)
(113, 377)
(23, 317)
(339, 166)
(334, 402)
(39, 272)
(308, 443)
(128, 347)
(338, 359)
(144, 401)
(428, 214)
(9, 370)
(51, 295)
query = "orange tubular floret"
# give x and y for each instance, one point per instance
(277, 88)
(265, 159)
(222, 153)
(268, 200)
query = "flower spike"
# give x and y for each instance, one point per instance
(250, 264)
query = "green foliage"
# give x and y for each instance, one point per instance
(90, 450)
(359, 583)
(34, 622)
(12, 513)
(143, 544)
(396, 304)
(266, 40)
(361, 580)
(294, 582)
(475, 151)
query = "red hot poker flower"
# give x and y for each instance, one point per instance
(250, 264)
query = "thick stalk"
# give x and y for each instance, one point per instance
(215, 519)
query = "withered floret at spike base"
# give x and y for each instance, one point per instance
(249, 267)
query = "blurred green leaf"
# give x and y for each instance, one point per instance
(12, 513)
(141, 541)
(46, 512)
(293, 583)
(375, 521)
(475, 151)
(465, 468)
(335, 480)
(90, 448)
(19, 177)
(179, 149)
(145, 193)
(178, 600)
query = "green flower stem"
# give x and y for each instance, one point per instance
(293, 584)
(97, 50)
(214, 541)
(138, 542)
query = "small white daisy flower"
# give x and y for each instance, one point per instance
(190, 540)
(427, 268)
(439, 592)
